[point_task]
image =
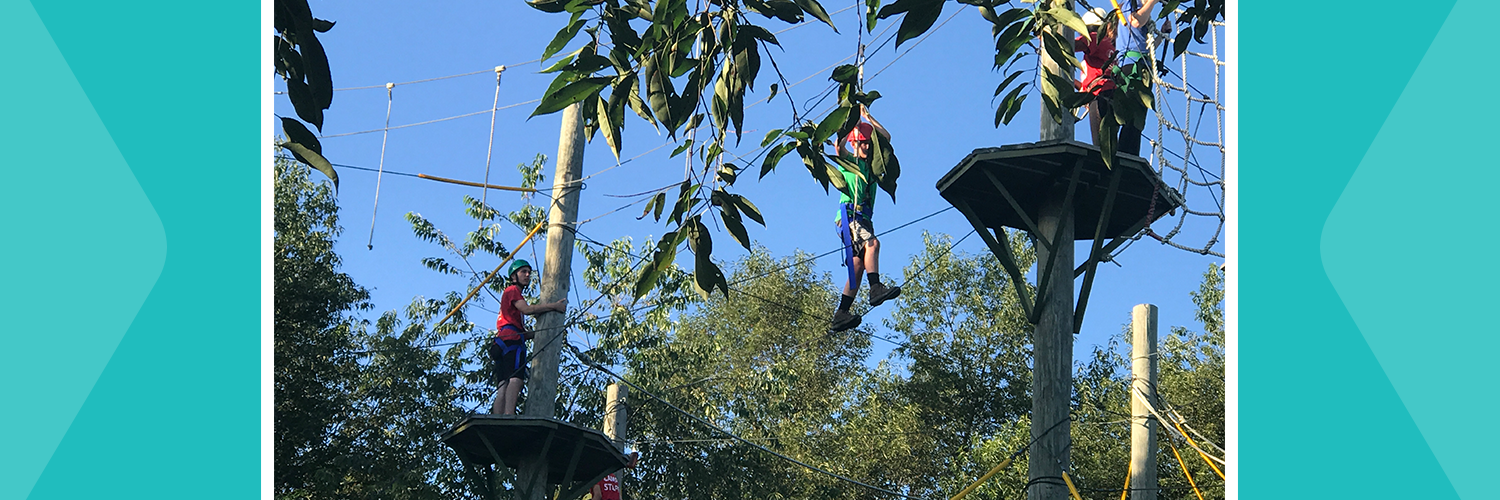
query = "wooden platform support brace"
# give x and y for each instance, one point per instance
(1092, 263)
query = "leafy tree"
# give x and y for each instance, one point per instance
(315, 369)
(300, 61)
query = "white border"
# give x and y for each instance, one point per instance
(267, 268)
(1231, 249)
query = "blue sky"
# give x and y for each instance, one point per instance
(937, 104)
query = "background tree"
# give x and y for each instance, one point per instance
(314, 336)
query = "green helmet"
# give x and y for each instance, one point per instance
(516, 265)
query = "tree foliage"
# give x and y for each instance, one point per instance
(315, 328)
(298, 58)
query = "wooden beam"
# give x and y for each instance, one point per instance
(1014, 205)
(573, 463)
(1115, 243)
(578, 490)
(1044, 271)
(1092, 262)
(1001, 252)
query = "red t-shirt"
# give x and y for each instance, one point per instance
(1097, 55)
(509, 315)
(609, 488)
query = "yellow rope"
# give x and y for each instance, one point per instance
(986, 477)
(1129, 466)
(1185, 471)
(1200, 450)
(491, 275)
(1071, 489)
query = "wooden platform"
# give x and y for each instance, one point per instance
(574, 454)
(1025, 173)
(1004, 187)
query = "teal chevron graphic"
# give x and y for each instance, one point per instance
(131, 389)
(83, 247)
(1322, 412)
(1405, 248)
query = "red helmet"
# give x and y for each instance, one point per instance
(861, 132)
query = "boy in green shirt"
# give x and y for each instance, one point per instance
(856, 208)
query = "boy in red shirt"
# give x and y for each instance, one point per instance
(508, 351)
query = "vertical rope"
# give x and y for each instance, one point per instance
(490, 151)
(370, 245)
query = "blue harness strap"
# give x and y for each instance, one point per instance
(846, 214)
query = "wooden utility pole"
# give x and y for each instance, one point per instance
(1052, 341)
(616, 405)
(1143, 354)
(541, 388)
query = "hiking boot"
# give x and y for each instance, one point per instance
(879, 293)
(844, 320)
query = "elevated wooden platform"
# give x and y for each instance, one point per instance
(577, 456)
(1005, 187)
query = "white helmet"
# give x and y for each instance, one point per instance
(1094, 17)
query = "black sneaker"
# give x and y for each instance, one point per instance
(844, 320)
(880, 293)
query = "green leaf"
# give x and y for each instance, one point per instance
(727, 174)
(684, 147)
(774, 157)
(562, 63)
(731, 217)
(299, 134)
(548, 6)
(770, 136)
(1006, 82)
(918, 20)
(846, 73)
(786, 10)
(831, 124)
(872, 9)
(1011, 16)
(815, 9)
(1012, 39)
(563, 36)
(661, 202)
(633, 82)
(315, 64)
(1060, 51)
(706, 275)
(314, 160)
(1069, 18)
(659, 198)
(749, 209)
(322, 26)
(302, 101)
(1005, 111)
(759, 33)
(1180, 44)
(1015, 106)
(610, 124)
(571, 93)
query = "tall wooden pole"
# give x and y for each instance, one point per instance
(541, 388)
(615, 413)
(1143, 367)
(1052, 342)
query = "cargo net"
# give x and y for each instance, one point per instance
(1188, 148)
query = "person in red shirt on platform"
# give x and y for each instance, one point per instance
(609, 487)
(508, 351)
(1098, 55)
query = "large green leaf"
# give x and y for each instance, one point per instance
(846, 73)
(749, 209)
(315, 63)
(314, 160)
(571, 93)
(303, 103)
(610, 122)
(299, 134)
(731, 217)
(872, 11)
(706, 275)
(774, 157)
(1070, 19)
(815, 9)
(786, 10)
(563, 36)
(759, 33)
(831, 124)
(1010, 104)
(918, 20)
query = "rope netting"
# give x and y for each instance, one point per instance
(1185, 155)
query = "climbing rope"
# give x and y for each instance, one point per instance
(370, 245)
